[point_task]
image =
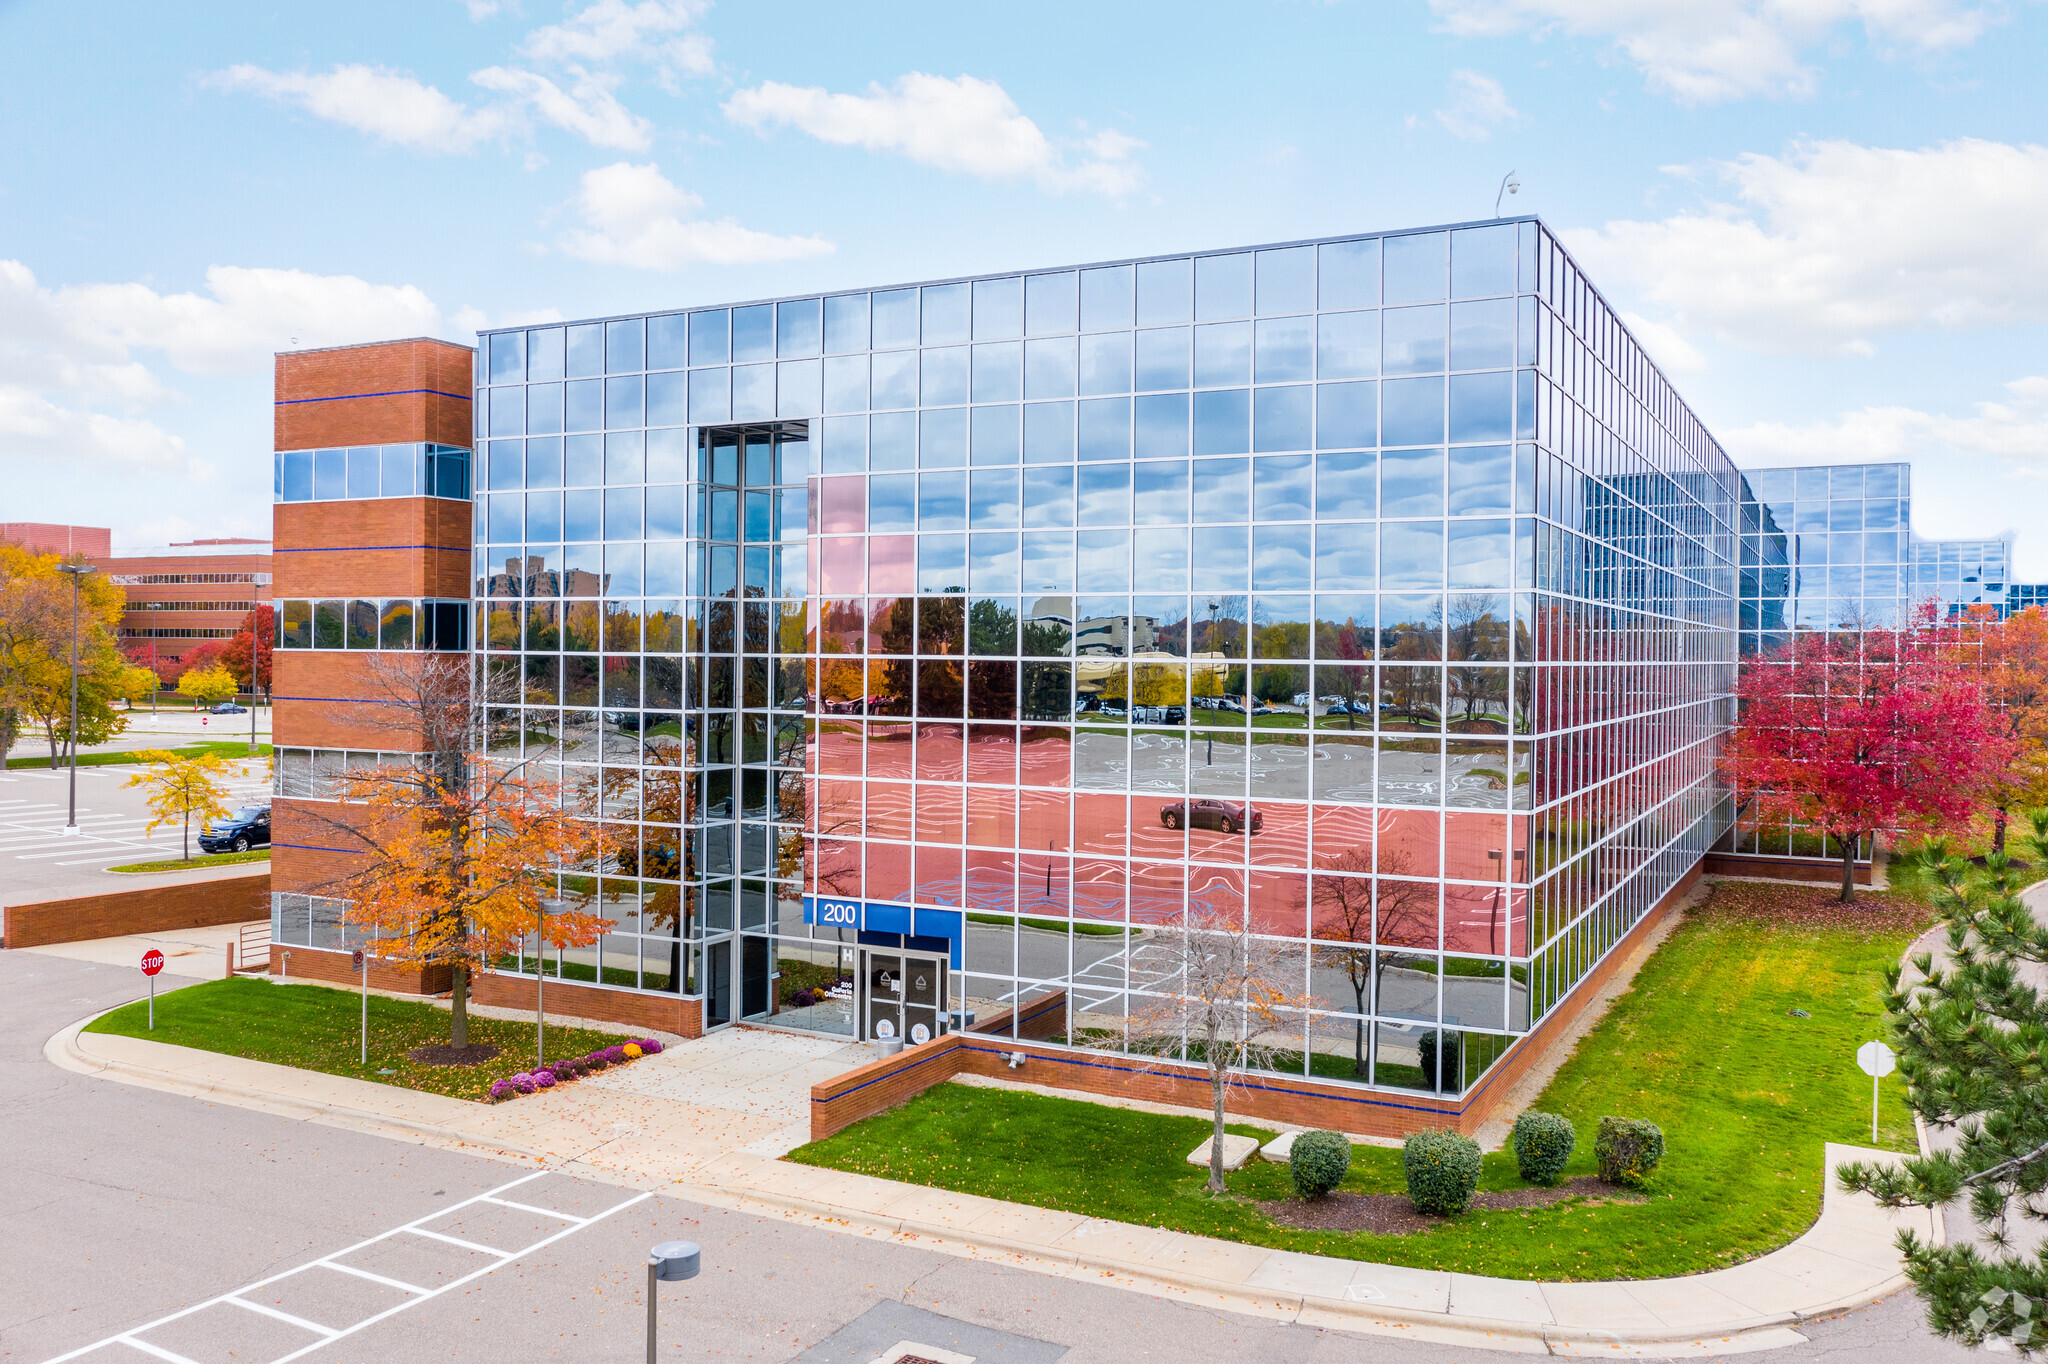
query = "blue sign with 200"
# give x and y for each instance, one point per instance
(839, 913)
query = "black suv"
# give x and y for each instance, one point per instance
(246, 828)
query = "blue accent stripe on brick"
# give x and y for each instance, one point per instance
(394, 393)
(343, 549)
(315, 847)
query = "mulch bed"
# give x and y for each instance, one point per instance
(1394, 1215)
(1787, 904)
(447, 1054)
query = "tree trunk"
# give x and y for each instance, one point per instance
(1358, 1037)
(1849, 871)
(1998, 832)
(1217, 1078)
(458, 1013)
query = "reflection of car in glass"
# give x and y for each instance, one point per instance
(1201, 812)
(246, 828)
(1160, 715)
(229, 708)
(1261, 708)
(1342, 707)
(1115, 708)
(627, 720)
(1228, 703)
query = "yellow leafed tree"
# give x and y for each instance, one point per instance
(209, 686)
(181, 788)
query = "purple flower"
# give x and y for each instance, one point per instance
(596, 1060)
(564, 1070)
(650, 1045)
(523, 1083)
(544, 1079)
(501, 1089)
(614, 1055)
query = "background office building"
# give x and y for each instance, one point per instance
(1377, 592)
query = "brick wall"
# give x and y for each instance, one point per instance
(314, 963)
(139, 908)
(387, 391)
(381, 547)
(679, 1015)
(316, 705)
(1782, 868)
(44, 537)
(309, 854)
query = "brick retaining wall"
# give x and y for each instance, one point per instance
(1782, 868)
(139, 908)
(678, 1015)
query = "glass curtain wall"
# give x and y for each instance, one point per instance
(1378, 592)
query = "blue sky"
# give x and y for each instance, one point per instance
(1827, 218)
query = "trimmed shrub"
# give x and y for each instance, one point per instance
(1543, 1143)
(613, 1055)
(1448, 1075)
(632, 1050)
(1442, 1169)
(524, 1083)
(1628, 1150)
(596, 1060)
(564, 1070)
(651, 1046)
(543, 1079)
(501, 1090)
(1318, 1162)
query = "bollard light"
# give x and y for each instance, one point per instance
(669, 1262)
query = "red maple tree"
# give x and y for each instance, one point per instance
(1863, 733)
(251, 646)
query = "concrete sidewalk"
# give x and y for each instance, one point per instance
(682, 1122)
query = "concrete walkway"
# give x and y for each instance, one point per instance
(705, 1122)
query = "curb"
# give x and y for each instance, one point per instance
(63, 1050)
(1721, 1333)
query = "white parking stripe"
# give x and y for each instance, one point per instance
(132, 1338)
(315, 1327)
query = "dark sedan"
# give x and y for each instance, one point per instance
(1203, 812)
(246, 828)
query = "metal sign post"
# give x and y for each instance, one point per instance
(362, 964)
(152, 962)
(1877, 1061)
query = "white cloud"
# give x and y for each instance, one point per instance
(1703, 51)
(389, 105)
(69, 352)
(1477, 106)
(2014, 427)
(480, 10)
(659, 32)
(1666, 345)
(634, 215)
(1835, 244)
(962, 124)
(587, 108)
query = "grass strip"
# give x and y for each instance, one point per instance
(1705, 1044)
(226, 748)
(194, 863)
(316, 1027)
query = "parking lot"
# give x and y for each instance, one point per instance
(38, 860)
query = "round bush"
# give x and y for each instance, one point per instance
(651, 1046)
(1543, 1143)
(501, 1090)
(632, 1050)
(543, 1079)
(564, 1070)
(1442, 1169)
(613, 1055)
(595, 1060)
(1318, 1162)
(523, 1083)
(1628, 1150)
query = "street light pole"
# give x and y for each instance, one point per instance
(77, 573)
(669, 1262)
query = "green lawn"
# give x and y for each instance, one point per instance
(317, 1027)
(189, 864)
(225, 748)
(1704, 1044)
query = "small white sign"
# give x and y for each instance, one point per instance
(1876, 1058)
(884, 1029)
(920, 1034)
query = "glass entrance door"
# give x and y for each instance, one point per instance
(902, 994)
(718, 983)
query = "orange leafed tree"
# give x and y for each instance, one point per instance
(2015, 655)
(459, 854)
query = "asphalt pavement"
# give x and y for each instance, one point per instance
(279, 1238)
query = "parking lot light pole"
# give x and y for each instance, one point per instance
(77, 573)
(669, 1262)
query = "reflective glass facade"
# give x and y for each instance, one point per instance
(1377, 590)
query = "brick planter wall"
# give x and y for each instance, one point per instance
(315, 963)
(678, 1015)
(1782, 868)
(138, 908)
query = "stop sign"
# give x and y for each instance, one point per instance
(152, 962)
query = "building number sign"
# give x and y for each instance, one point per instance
(839, 913)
